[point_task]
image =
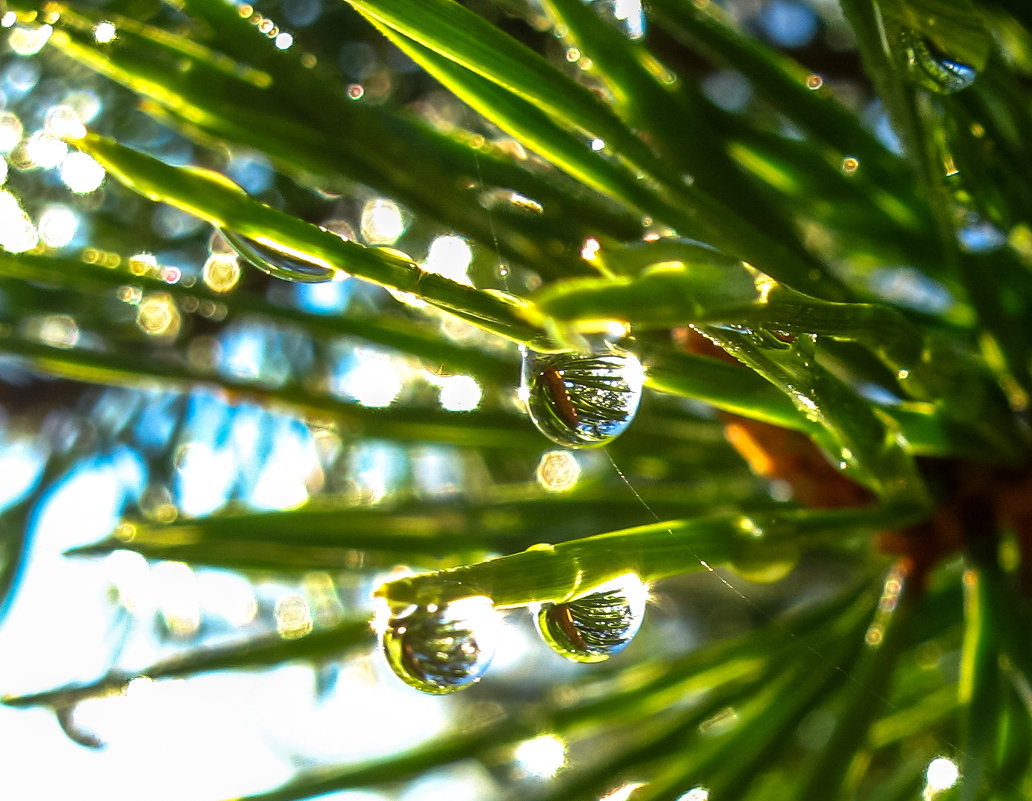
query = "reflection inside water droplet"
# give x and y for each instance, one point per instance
(439, 650)
(931, 68)
(279, 263)
(580, 400)
(595, 626)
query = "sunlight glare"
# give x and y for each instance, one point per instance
(382, 222)
(374, 381)
(105, 32)
(27, 41)
(459, 393)
(623, 792)
(17, 233)
(941, 774)
(543, 756)
(81, 173)
(57, 226)
(450, 256)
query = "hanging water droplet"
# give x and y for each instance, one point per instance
(278, 262)
(931, 68)
(441, 649)
(595, 626)
(580, 401)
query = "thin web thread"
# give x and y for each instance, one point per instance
(503, 270)
(764, 614)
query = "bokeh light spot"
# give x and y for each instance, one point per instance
(382, 222)
(543, 756)
(558, 471)
(81, 173)
(57, 226)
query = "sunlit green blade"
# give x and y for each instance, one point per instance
(326, 534)
(460, 35)
(980, 692)
(663, 108)
(532, 126)
(731, 388)
(433, 350)
(782, 83)
(394, 154)
(556, 573)
(209, 196)
(762, 724)
(918, 118)
(422, 31)
(691, 284)
(332, 642)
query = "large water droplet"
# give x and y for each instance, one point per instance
(278, 262)
(578, 400)
(441, 649)
(595, 626)
(932, 69)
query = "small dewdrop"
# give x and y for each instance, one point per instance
(814, 81)
(105, 32)
(283, 41)
(598, 144)
(590, 248)
(850, 165)
(8, 19)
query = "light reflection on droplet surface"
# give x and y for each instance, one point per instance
(931, 68)
(441, 649)
(695, 794)
(450, 256)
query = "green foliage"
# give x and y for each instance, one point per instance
(771, 230)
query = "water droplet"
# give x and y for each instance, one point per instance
(850, 165)
(279, 262)
(931, 68)
(441, 649)
(595, 626)
(814, 81)
(767, 561)
(580, 401)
